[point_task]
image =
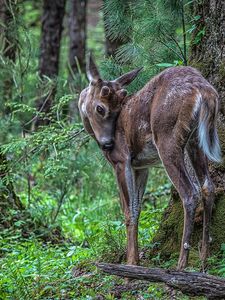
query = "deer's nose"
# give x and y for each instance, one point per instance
(108, 146)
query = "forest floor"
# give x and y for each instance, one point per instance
(63, 266)
(32, 270)
(48, 258)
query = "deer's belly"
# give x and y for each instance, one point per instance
(147, 157)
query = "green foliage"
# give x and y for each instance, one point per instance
(156, 35)
(118, 20)
(155, 32)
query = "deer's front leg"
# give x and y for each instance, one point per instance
(131, 185)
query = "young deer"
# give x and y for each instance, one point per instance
(173, 114)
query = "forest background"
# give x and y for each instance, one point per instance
(59, 208)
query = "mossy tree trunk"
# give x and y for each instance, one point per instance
(207, 53)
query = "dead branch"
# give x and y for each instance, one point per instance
(190, 283)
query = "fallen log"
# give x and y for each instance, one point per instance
(189, 283)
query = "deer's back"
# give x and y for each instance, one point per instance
(166, 100)
(177, 99)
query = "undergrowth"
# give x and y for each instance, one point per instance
(92, 230)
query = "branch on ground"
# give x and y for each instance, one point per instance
(189, 283)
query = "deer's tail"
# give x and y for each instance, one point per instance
(207, 132)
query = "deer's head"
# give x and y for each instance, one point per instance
(100, 104)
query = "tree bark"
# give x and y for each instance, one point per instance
(190, 283)
(207, 53)
(77, 48)
(207, 47)
(8, 198)
(9, 41)
(52, 26)
(77, 35)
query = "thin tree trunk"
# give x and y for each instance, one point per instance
(8, 198)
(77, 35)
(207, 55)
(77, 48)
(52, 26)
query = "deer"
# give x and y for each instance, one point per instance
(173, 114)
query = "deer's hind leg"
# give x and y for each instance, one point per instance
(200, 165)
(171, 153)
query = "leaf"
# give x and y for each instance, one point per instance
(71, 252)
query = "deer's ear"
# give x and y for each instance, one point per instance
(92, 70)
(128, 77)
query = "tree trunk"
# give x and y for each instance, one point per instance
(77, 35)
(190, 283)
(77, 48)
(8, 198)
(52, 25)
(207, 55)
(9, 42)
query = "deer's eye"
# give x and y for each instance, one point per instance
(100, 110)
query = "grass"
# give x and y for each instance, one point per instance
(93, 229)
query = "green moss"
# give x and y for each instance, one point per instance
(203, 66)
(218, 224)
(169, 235)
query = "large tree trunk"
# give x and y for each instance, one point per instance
(8, 43)
(77, 48)
(52, 25)
(207, 55)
